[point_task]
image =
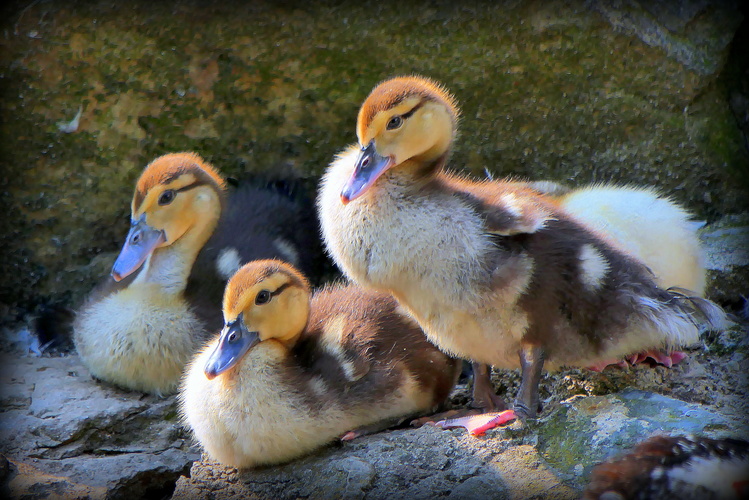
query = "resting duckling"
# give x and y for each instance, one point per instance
(290, 373)
(493, 271)
(141, 327)
(648, 226)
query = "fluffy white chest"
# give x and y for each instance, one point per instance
(430, 252)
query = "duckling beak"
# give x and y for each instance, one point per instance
(234, 343)
(140, 242)
(369, 167)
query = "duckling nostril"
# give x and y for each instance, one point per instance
(365, 162)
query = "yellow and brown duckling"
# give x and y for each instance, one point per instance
(493, 271)
(647, 225)
(139, 329)
(290, 373)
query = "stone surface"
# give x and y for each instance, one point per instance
(550, 458)
(726, 243)
(68, 434)
(571, 91)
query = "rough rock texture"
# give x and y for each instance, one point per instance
(549, 459)
(726, 242)
(571, 91)
(66, 434)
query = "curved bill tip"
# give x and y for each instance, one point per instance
(369, 167)
(235, 341)
(141, 241)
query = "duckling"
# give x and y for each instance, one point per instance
(644, 223)
(675, 467)
(289, 373)
(493, 271)
(139, 329)
(647, 225)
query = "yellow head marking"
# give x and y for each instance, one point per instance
(177, 192)
(425, 115)
(272, 297)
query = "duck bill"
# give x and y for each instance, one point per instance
(369, 167)
(141, 241)
(235, 341)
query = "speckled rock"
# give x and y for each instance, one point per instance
(587, 431)
(550, 458)
(572, 91)
(66, 434)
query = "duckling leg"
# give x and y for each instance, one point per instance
(372, 428)
(527, 404)
(484, 397)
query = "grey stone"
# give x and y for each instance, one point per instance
(590, 430)
(726, 244)
(697, 33)
(87, 435)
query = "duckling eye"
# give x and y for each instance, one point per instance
(263, 297)
(166, 197)
(395, 122)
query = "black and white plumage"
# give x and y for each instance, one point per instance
(189, 234)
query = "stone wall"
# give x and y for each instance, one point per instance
(570, 91)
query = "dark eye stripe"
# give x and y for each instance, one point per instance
(413, 110)
(280, 289)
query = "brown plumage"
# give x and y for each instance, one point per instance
(493, 271)
(675, 468)
(290, 373)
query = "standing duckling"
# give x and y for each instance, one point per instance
(290, 373)
(493, 271)
(141, 327)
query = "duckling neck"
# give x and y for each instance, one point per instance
(170, 266)
(417, 172)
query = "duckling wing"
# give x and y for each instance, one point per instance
(257, 223)
(507, 208)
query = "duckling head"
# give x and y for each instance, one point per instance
(178, 198)
(266, 301)
(405, 121)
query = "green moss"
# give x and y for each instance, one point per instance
(545, 93)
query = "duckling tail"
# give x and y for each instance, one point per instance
(703, 312)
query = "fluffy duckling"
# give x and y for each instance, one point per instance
(493, 271)
(143, 324)
(642, 222)
(675, 468)
(289, 373)
(647, 225)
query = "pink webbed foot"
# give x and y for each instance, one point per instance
(652, 357)
(477, 425)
